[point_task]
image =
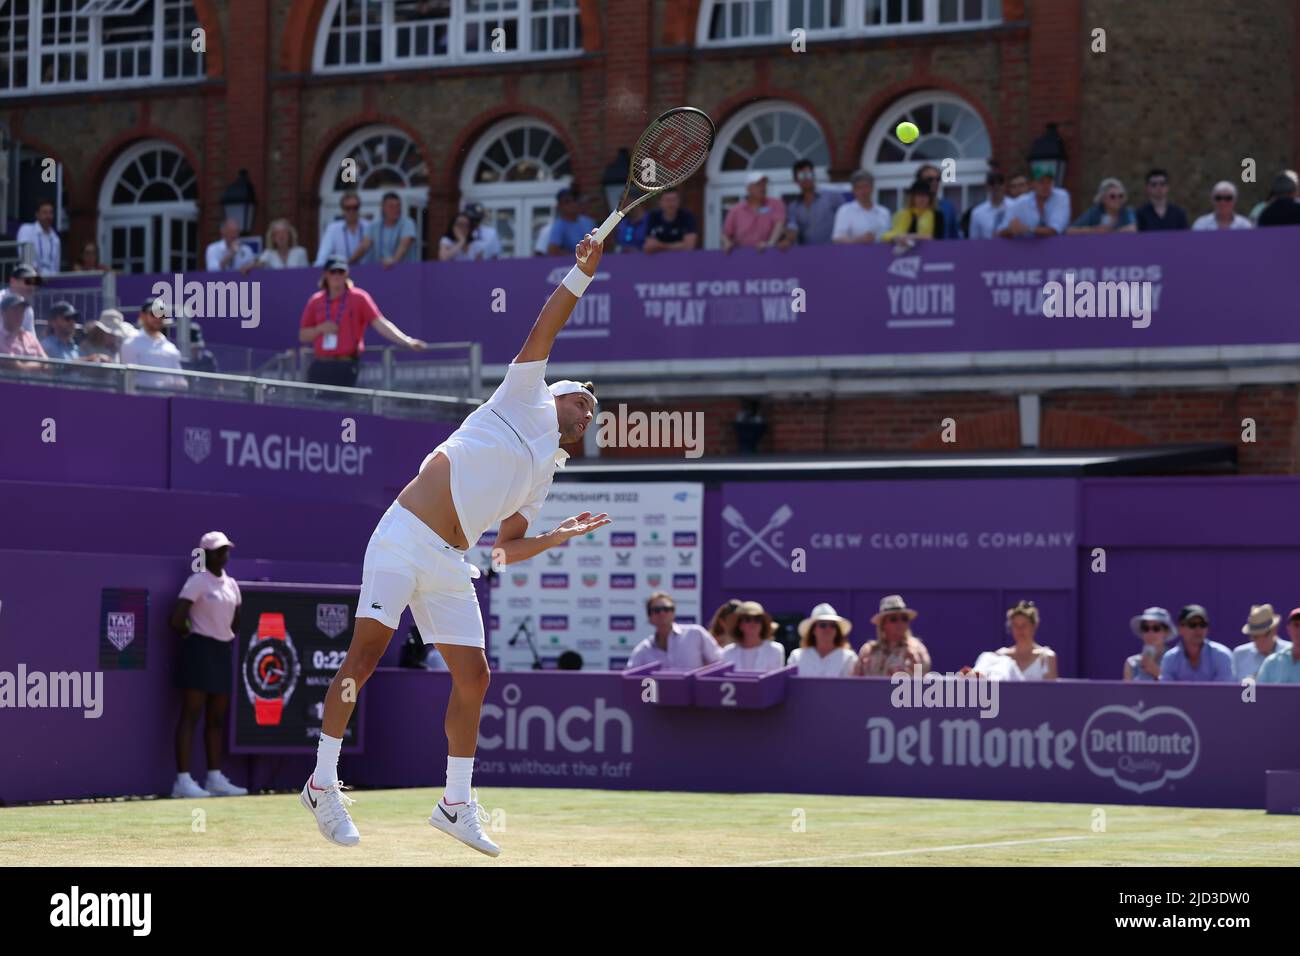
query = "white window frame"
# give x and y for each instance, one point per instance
(415, 199)
(523, 12)
(724, 185)
(532, 204)
(111, 214)
(855, 12)
(95, 49)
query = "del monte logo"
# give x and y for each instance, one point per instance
(1140, 749)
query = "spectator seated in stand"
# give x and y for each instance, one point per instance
(895, 649)
(1108, 213)
(723, 621)
(61, 343)
(1041, 212)
(1283, 666)
(152, 347)
(390, 237)
(1223, 210)
(1155, 627)
(916, 220)
(1197, 658)
(228, 253)
(675, 647)
(458, 243)
(929, 175)
(282, 250)
(752, 649)
(1282, 209)
(670, 228)
(1261, 628)
(824, 649)
(1159, 214)
(487, 237)
(14, 339)
(810, 219)
(861, 220)
(757, 221)
(570, 225)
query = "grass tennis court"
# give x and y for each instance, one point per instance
(640, 828)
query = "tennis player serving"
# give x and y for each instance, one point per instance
(497, 466)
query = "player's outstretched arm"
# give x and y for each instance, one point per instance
(511, 545)
(559, 306)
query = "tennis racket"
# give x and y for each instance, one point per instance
(670, 151)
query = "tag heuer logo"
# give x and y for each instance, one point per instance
(198, 444)
(121, 628)
(332, 619)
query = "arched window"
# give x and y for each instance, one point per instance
(950, 130)
(49, 46)
(767, 137)
(385, 34)
(149, 211)
(374, 161)
(515, 169)
(737, 22)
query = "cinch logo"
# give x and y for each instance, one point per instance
(1140, 750)
(290, 453)
(590, 580)
(622, 622)
(555, 580)
(685, 582)
(622, 539)
(518, 580)
(685, 539)
(576, 729)
(554, 622)
(622, 580)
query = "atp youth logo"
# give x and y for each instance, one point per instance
(198, 444)
(331, 619)
(1141, 750)
(743, 540)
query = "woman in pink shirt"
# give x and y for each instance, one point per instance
(206, 618)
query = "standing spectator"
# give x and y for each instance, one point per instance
(486, 236)
(631, 231)
(102, 341)
(152, 347)
(47, 249)
(1197, 658)
(390, 239)
(22, 283)
(1159, 213)
(755, 222)
(929, 174)
(916, 220)
(569, 227)
(344, 237)
(1283, 667)
(723, 620)
(1155, 627)
(1261, 628)
(677, 647)
(228, 253)
(1260, 206)
(1223, 213)
(986, 218)
(61, 343)
(282, 250)
(752, 648)
(860, 220)
(1042, 211)
(1032, 660)
(14, 339)
(1017, 185)
(896, 649)
(824, 649)
(206, 618)
(1108, 212)
(810, 219)
(670, 228)
(334, 321)
(457, 243)
(89, 261)
(1282, 209)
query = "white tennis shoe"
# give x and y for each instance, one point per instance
(329, 805)
(186, 788)
(464, 821)
(219, 785)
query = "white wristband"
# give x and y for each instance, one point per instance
(576, 281)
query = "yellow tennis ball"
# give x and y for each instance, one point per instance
(907, 132)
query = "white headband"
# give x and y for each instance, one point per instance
(568, 387)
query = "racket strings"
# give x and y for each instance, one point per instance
(672, 150)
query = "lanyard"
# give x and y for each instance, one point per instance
(343, 309)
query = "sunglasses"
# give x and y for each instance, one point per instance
(895, 618)
(661, 610)
(1196, 625)
(338, 272)
(1224, 198)
(1153, 628)
(824, 624)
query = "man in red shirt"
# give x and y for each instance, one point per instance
(334, 323)
(14, 339)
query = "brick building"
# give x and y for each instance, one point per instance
(147, 132)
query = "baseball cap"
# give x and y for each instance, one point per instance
(755, 177)
(25, 271)
(1193, 610)
(215, 539)
(336, 262)
(10, 300)
(474, 210)
(1042, 170)
(1293, 614)
(63, 309)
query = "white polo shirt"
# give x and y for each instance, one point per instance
(851, 221)
(689, 646)
(764, 657)
(840, 662)
(214, 602)
(155, 350)
(504, 455)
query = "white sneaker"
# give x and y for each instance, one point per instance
(186, 788)
(218, 785)
(330, 807)
(465, 822)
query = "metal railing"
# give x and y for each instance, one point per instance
(147, 380)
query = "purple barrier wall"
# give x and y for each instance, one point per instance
(944, 296)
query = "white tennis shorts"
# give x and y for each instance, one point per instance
(408, 564)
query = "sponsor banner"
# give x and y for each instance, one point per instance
(938, 297)
(123, 629)
(290, 644)
(973, 534)
(589, 595)
(261, 449)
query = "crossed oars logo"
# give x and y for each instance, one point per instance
(737, 521)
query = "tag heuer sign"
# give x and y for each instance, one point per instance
(332, 619)
(198, 444)
(121, 628)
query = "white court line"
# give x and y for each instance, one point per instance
(932, 849)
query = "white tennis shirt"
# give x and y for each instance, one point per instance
(504, 455)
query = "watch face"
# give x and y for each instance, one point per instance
(271, 668)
